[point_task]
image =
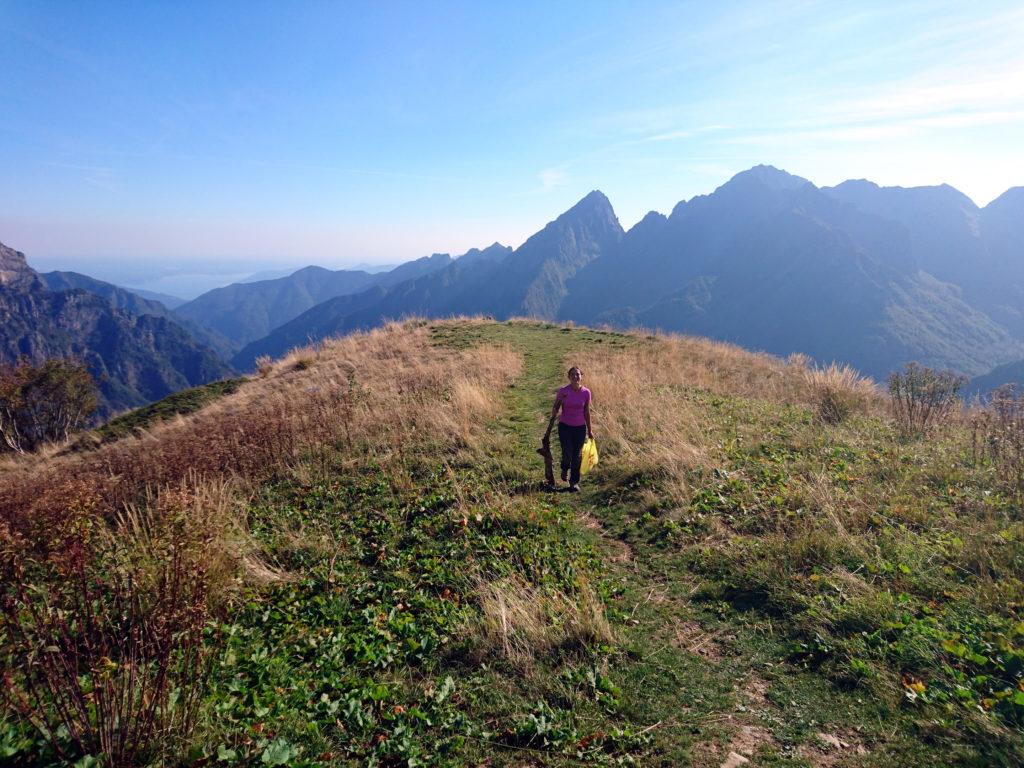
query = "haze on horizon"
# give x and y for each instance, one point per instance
(380, 132)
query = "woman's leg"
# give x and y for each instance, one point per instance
(578, 438)
(565, 441)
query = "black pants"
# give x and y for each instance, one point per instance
(572, 439)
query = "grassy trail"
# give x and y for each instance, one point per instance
(669, 685)
(705, 684)
(670, 690)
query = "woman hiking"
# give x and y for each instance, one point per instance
(574, 426)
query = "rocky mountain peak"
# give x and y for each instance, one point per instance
(14, 269)
(768, 176)
(594, 205)
(593, 214)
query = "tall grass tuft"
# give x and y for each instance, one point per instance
(522, 621)
(839, 391)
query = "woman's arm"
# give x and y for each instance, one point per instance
(554, 415)
(586, 416)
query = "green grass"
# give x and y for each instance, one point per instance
(734, 615)
(185, 401)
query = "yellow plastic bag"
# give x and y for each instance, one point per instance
(589, 456)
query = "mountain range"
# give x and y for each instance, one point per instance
(857, 273)
(244, 312)
(135, 351)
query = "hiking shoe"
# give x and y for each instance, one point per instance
(574, 488)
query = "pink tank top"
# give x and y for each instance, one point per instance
(573, 403)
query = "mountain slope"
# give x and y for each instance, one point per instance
(134, 303)
(135, 359)
(771, 262)
(1002, 227)
(171, 302)
(243, 312)
(979, 250)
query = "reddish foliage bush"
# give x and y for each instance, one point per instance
(105, 642)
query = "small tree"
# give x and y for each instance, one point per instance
(41, 403)
(921, 395)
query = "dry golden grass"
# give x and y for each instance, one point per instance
(839, 391)
(643, 412)
(643, 408)
(521, 621)
(381, 395)
(205, 518)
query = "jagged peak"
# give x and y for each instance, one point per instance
(651, 217)
(493, 252)
(594, 202)
(593, 210)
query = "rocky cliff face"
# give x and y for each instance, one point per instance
(15, 273)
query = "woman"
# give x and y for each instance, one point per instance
(574, 426)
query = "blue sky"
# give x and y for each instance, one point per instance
(335, 133)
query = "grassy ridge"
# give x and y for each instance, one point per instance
(736, 580)
(180, 403)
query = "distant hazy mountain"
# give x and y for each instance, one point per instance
(1008, 373)
(768, 261)
(243, 312)
(127, 300)
(978, 249)
(267, 274)
(119, 298)
(529, 281)
(135, 358)
(171, 302)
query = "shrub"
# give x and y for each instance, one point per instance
(106, 637)
(998, 434)
(921, 396)
(42, 403)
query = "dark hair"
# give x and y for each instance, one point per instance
(575, 368)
